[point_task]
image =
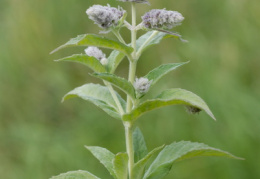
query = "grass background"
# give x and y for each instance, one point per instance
(40, 137)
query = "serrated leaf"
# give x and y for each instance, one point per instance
(166, 98)
(120, 163)
(114, 60)
(139, 167)
(105, 157)
(157, 73)
(97, 41)
(80, 174)
(140, 149)
(155, 40)
(117, 81)
(91, 62)
(98, 95)
(178, 151)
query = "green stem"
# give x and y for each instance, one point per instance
(145, 43)
(132, 59)
(131, 78)
(112, 91)
(129, 147)
(133, 31)
(118, 35)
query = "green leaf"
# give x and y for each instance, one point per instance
(105, 157)
(75, 175)
(155, 40)
(97, 41)
(140, 149)
(166, 98)
(120, 163)
(114, 60)
(178, 151)
(139, 167)
(157, 73)
(117, 81)
(98, 95)
(90, 62)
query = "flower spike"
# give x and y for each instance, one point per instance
(142, 86)
(105, 16)
(162, 19)
(97, 53)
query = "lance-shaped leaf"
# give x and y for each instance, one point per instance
(117, 81)
(105, 157)
(114, 60)
(80, 174)
(157, 37)
(97, 41)
(157, 73)
(120, 163)
(139, 167)
(140, 149)
(178, 151)
(90, 62)
(167, 98)
(98, 95)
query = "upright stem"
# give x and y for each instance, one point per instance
(133, 31)
(132, 60)
(132, 69)
(131, 78)
(129, 147)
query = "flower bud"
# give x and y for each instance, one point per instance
(95, 52)
(142, 85)
(105, 16)
(104, 61)
(162, 19)
(136, 1)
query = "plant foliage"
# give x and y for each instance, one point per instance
(137, 162)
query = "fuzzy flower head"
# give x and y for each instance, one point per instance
(97, 53)
(162, 19)
(142, 85)
(136, 1)
(105, 16)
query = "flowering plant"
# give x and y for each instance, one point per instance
(134, 163)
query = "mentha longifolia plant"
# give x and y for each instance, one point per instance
(133, 164)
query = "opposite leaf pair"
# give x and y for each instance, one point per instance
(105, 72)
(159, 167)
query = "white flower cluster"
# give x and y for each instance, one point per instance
(137, 1)
(97, 53)
(162, 19)
(142, 85)
(105, 16)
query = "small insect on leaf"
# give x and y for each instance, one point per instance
(192, 109)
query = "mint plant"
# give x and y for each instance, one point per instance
(133, 164)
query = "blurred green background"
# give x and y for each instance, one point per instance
(41, 137)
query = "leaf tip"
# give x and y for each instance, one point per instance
(184, 41)
(64, 98)
(55, 50)
(213, 117)
(239, 158)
